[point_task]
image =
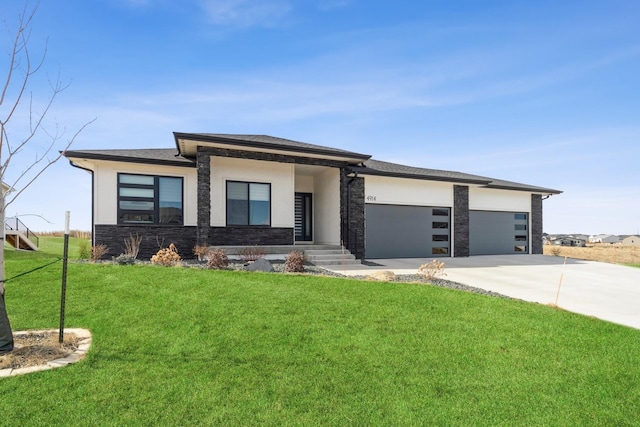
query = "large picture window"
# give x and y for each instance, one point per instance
(149, 199)
(248, 203)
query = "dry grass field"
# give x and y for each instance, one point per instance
(616, 254)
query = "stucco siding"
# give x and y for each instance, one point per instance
(327, 207)
(490, 199)
(409, 192)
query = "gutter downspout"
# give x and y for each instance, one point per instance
(93, 233)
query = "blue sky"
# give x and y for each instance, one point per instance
(546, 93)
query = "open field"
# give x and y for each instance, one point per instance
(616, 254)
(185, 346)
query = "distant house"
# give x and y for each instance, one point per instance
(631, 241)
(568, 240)
(604, 238)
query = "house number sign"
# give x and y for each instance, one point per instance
(371, 198)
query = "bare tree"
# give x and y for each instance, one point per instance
(14, 99)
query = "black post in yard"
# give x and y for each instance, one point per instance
(63, 295)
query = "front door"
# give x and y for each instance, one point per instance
(303, 217)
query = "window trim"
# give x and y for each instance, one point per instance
(156, 200)
(226, 200)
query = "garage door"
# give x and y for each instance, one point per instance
(498, 233)
(395, 231)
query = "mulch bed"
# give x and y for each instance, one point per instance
(37, 348)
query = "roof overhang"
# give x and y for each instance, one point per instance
(369, 171)
(188, 143)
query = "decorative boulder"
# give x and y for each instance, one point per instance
(260, 264)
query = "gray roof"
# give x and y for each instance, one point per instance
(266, 141)
(365, 165)
(377, 167)
(159, 156)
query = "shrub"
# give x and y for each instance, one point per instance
(201, 251)
(250, 253)
(167, 256)
(432, 270)
(98, 251)
(132, 246)
(84, 251)
(218, 260)
(555, 250)
(294, 263)
(124, 259)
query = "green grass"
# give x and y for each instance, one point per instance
(179, 346)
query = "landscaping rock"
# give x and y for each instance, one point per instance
(383, 276)
(261, 264)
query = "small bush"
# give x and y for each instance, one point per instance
(201, 251)
(167, 256)
(250, 253)
(132, 245)
(432, 270)
(294, 263)
(124, 259)
(218, 260)
(98, 251)
(84, 251)
(555, 250)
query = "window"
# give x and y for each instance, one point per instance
(521, 227)
(439, 251)
(520, 248)
(440, 212)
(440, 224)
(521, 238)
(248, 203)
(520, 216)
(440, 238)
(149, 199)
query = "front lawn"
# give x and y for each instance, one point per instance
(182, 346)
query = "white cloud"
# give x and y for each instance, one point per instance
(246, 13)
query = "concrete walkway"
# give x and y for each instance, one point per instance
(606, 291)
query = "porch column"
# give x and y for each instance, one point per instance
(203, 163)
(352, 213)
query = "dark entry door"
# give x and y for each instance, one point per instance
(303, 217)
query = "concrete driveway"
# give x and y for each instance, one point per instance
(606, 291)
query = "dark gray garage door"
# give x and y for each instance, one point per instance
(498, 233)
(395, 231)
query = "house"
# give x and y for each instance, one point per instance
(223, 190)
(570, 241)
(604, 238)
(631, 241)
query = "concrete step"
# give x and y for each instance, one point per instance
(320, 263)
(321, 257)
(325, 251)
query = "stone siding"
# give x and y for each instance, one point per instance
(461, 221)
(154, 237)
(250, 236)
(352, 213)
(536, 224)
